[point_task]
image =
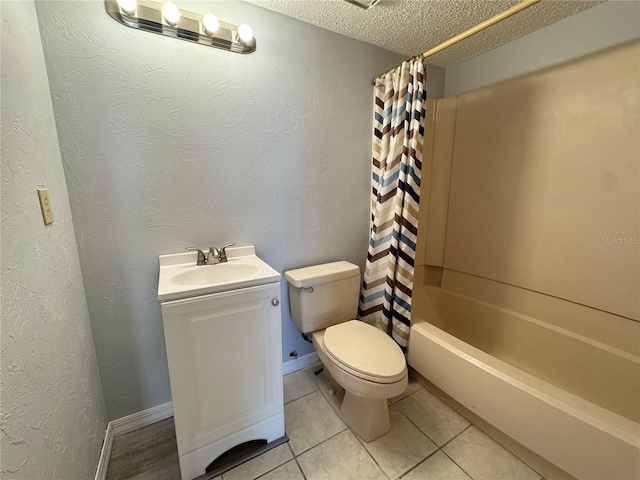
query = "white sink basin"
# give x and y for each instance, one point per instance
(220, 273)
(180, 277)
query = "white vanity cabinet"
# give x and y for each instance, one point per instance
(225, 366)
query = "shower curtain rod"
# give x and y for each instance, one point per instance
(472, 31)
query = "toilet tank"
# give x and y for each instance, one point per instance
(323, 295)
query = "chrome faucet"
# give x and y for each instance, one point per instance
(201, 258)
(215, 255)
(218, 255)
(222, 256)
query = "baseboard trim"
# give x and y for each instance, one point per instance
(128, 424)
(300, 363)
(142, 419)
(105, 454)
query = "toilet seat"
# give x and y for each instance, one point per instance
(365, 351)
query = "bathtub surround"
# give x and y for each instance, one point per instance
(538, 305)
(53, 414)
(169, 144)
(399, 101)
(539, 193)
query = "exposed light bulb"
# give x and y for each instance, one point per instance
(171, 13)
(127, 6)
(245, 33)
(210, 24)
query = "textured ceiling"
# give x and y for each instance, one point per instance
(411, 27)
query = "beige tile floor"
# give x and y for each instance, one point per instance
(428, 441)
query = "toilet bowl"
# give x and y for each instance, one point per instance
(363, 367)
(360, 396)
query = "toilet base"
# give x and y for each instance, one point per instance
(367, 417)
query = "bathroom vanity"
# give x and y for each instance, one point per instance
(223, 339)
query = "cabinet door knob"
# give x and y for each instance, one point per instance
(275, 302)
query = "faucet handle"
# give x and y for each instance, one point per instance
(201, 259)
(214, 256)
(223, 252)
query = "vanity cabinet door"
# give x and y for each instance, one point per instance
(225, 364)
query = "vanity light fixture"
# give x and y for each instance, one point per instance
(245, 33)
(211, 24)
(169, 20)
(127, 6)
(171, 13)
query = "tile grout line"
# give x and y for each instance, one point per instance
(420, 430)
(355, 435)
(457, 464)
(451, 458)
(298, 398)
(425, 433)
(320, 443)
(497, 443)
(439, 449)
(419, 463)
(362, 443)
(413, 423)
(295, 458)
(471, 424)
(456, 435)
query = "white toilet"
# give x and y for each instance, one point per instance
(363, 366)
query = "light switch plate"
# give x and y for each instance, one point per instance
(45, 205)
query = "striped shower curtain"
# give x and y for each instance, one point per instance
(399, 109)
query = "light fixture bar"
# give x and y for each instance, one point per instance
(148, 16)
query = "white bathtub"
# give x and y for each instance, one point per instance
(519, 374)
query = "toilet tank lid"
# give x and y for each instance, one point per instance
(317, 274)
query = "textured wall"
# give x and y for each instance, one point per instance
(167, 144)
(597, 28)
(53, 415)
